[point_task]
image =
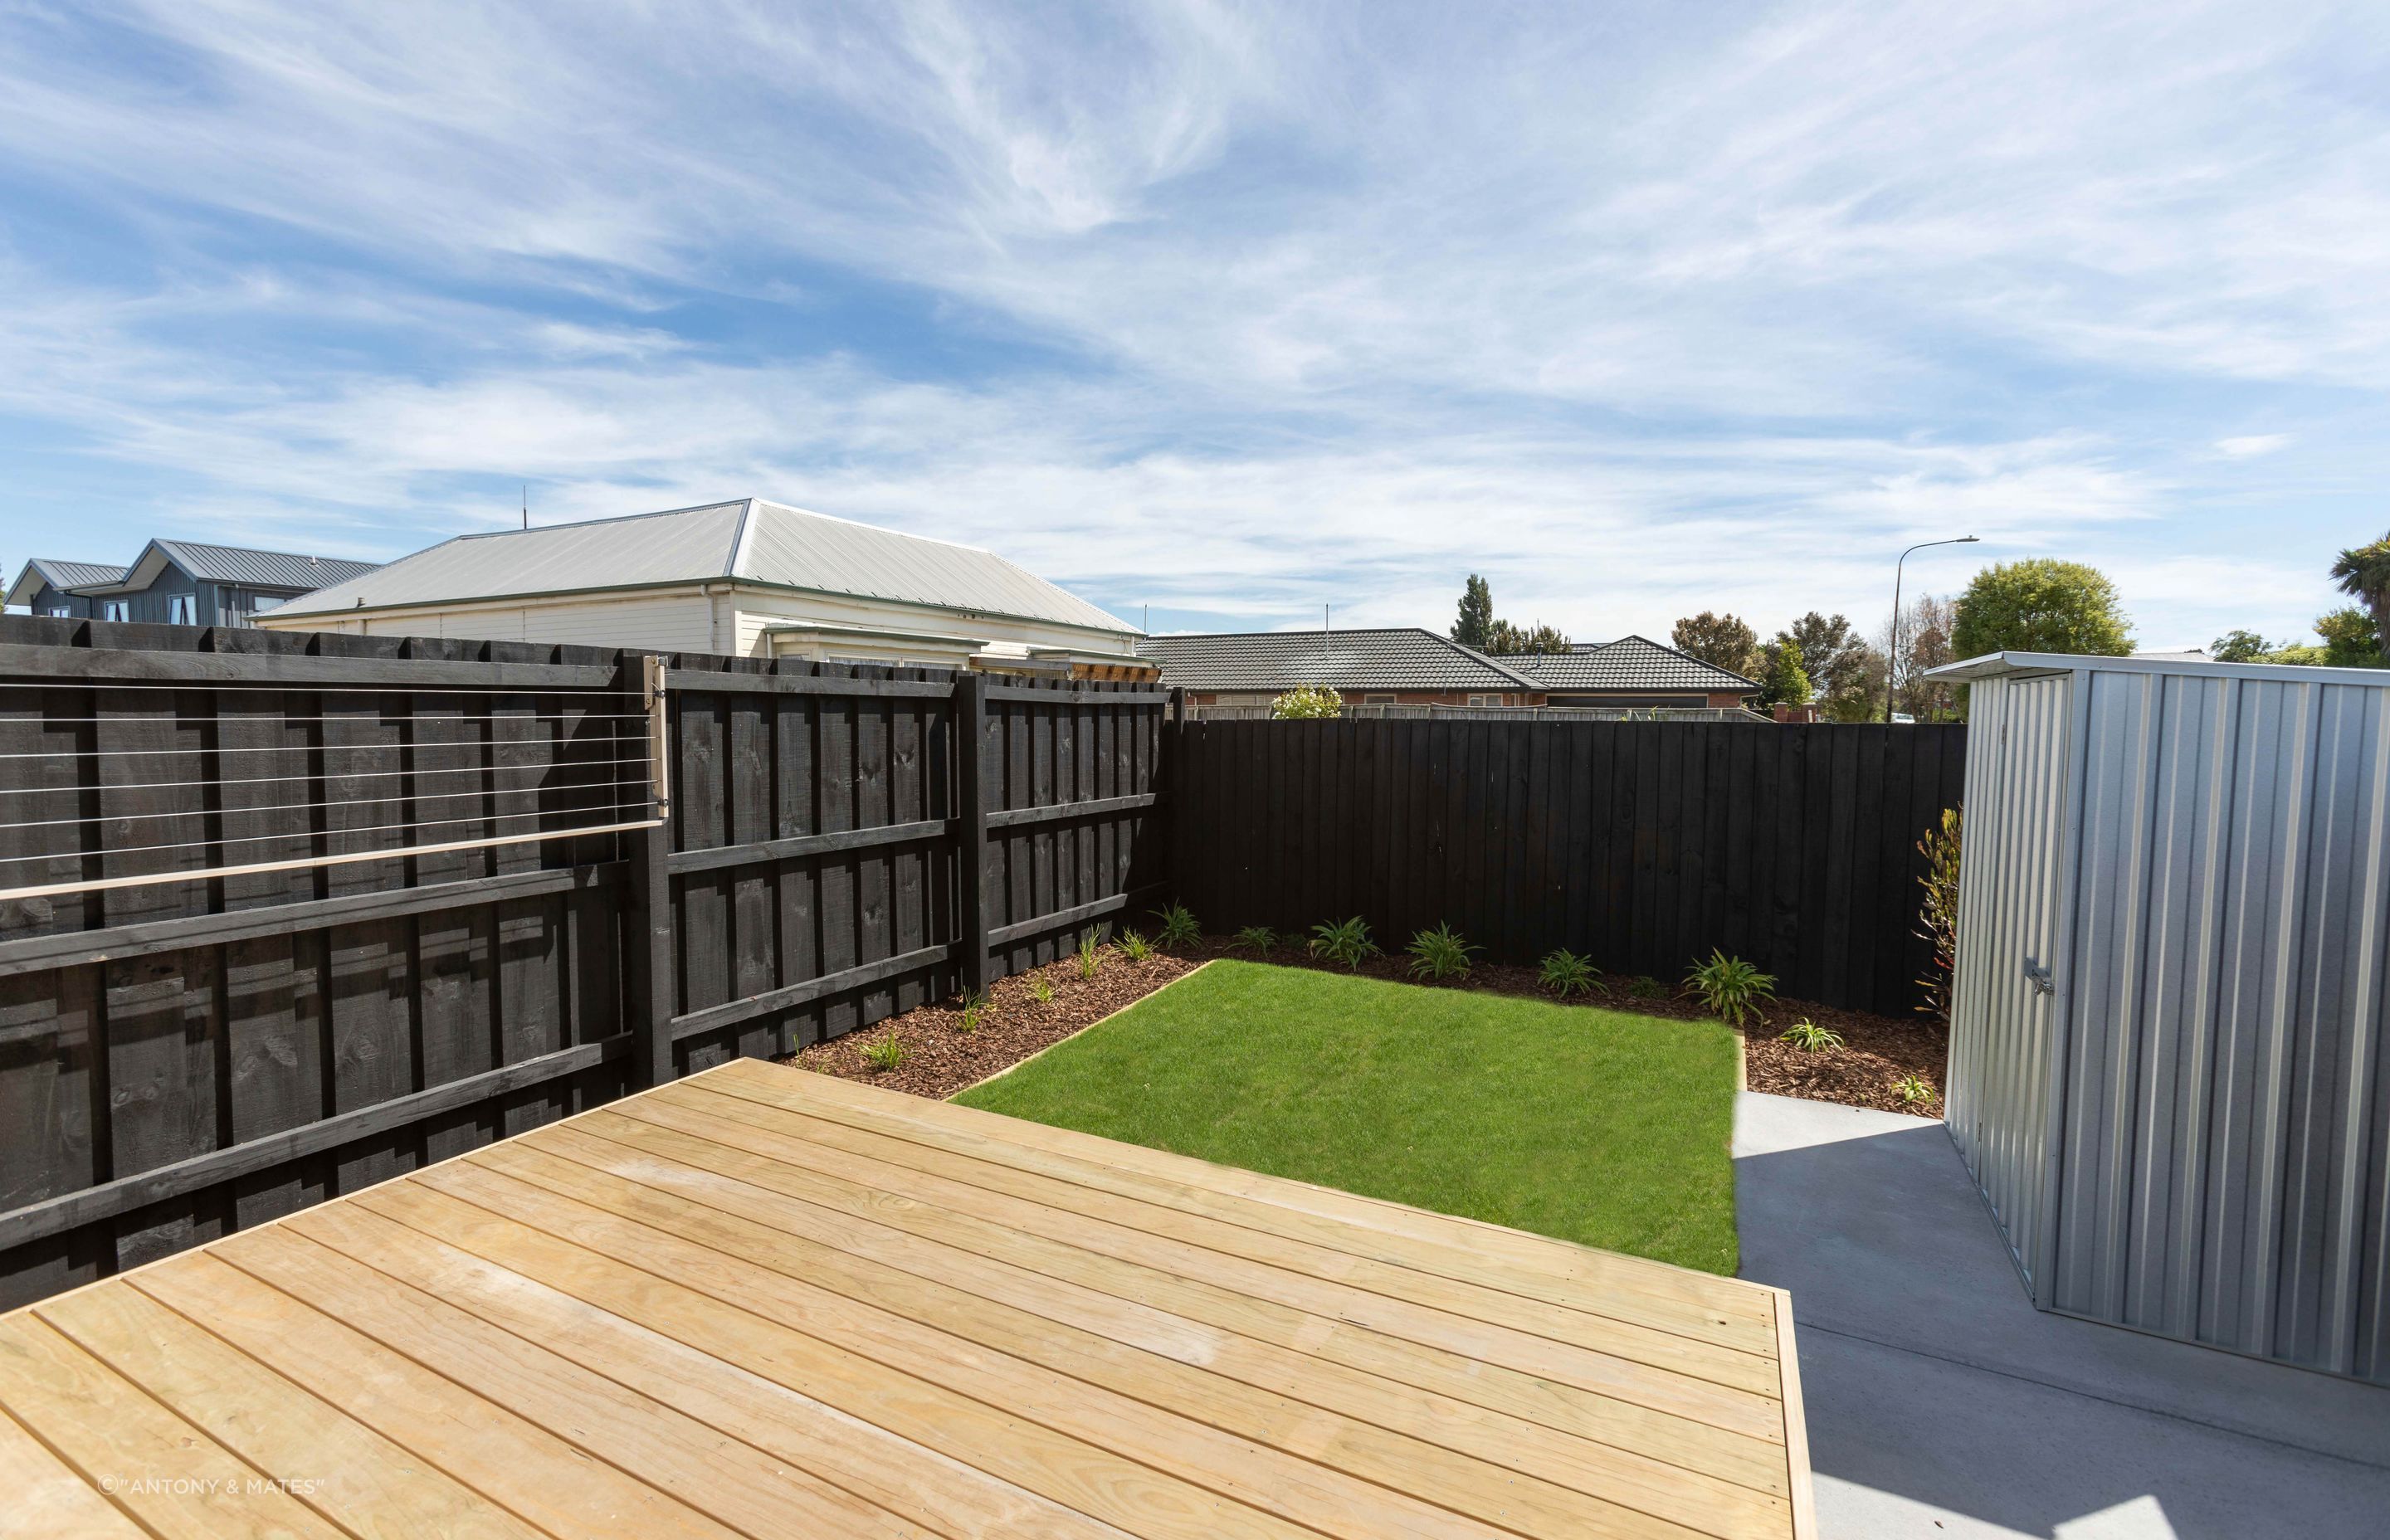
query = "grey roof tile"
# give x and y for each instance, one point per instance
(1628, 663)
(1398, 659)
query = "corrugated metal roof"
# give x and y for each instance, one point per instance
(749, 539)
(248, 568)
(1628, 663)
(1403, 658)
(75, 574)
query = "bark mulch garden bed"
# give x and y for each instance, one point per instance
(942, 1059)
(1876, 1051)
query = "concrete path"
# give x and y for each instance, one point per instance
(1943, 1405)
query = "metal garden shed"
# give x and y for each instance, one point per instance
(2165, 1052)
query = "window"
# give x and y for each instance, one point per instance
(1477, 701)
(112, 610)
(63, 611)
(1377, 700)
(183, 609)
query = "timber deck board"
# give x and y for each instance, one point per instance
(763, 1301)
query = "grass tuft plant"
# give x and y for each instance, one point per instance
(1343, 941)
(1440, 954)
(887, 1053)
(1090, 957)
(1136, 948)
(975, 1003)
(1256, 938)
(1645, 987)
(1913, 1090)
(1178, 928)
(1564, 973)
(1041, 989)
(1809, 1037)
(1730, 988)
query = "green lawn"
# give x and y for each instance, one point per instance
(1594, 1125)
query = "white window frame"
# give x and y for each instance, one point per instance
(182, 609)
(115, 609)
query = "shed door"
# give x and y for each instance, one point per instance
(2011, 894)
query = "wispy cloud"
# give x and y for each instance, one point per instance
(1233, 309)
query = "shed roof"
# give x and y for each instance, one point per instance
(1994, 665)
(1628, 663)
(748, 539)
(1404, 657)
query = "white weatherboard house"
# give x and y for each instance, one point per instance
(750, 578)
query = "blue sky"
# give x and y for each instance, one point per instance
(1231, 311)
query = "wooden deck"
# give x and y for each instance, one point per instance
(766, 1303)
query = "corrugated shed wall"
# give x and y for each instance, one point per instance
(1999, 1078)
(2227, 1117)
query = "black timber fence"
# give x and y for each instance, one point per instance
(437, 897)
(1642, 844)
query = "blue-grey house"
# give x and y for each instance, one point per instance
(177, 582)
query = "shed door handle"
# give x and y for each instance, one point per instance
(2040, 974)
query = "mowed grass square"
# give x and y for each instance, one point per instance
(1593, 1126)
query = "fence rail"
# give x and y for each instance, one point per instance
(811, 848)
(1642, 844)
(1494, 713)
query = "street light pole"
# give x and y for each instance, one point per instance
(1892, 661)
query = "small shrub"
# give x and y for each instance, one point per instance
(1041, 989)
(1090, 958)
(1440, 954)
(1257, 939)
(1913, 1090)
(1730, 988)
(1136, 948)
(889, 1052)
(1645, 987)
(975, 1003)
(1809, 1037)
(1937, 917)
(1343, 941)
(1178, 928)
(1565, 973)
(1307, 701)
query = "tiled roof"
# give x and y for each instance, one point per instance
(764, 542)
(1401, 658)
(1628, 663)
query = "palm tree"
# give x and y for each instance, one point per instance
(2364, 575)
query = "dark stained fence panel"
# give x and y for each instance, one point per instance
(1644, 844)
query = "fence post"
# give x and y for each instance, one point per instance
(971, 821)
(650, 965)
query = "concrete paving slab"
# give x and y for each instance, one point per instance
(1941, 1403)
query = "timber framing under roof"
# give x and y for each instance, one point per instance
(763, 1301)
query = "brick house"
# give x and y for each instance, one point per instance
(1634, 672)
(1408, 666)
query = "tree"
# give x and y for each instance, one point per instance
(2363, 573)
(1859, 698)
(1787, 683)
(2240, 646)
(1505, 640)
(2351, 640)
(1475, 626)
(1721, 641)
(2041, 606)
(1831, 653)
(1925, 639)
